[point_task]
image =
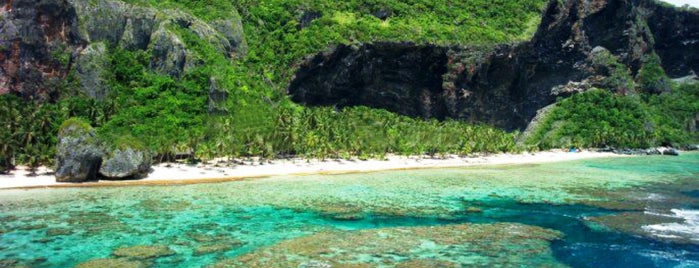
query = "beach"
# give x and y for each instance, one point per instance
(218, 171)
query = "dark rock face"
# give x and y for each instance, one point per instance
(126, 163)
(36, 37)
(403, 78)
(504, 85)
(307, 18)
(78, 156)
(676, 36)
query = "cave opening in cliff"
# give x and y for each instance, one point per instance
(400, 77)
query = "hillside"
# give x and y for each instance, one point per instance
(223, 78)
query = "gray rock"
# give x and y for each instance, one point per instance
(78, 155)
(101, 20)
(90, 69)
(653, 151)
(36, 41)
(139, 27)
(169, 53)
(232, 30)
(126, 163)
(671, 151)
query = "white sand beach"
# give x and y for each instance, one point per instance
(177, 173)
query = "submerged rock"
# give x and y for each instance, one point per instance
(79, 155)
(111, 263)
(213, 248)
(446, 246)
(144, 252)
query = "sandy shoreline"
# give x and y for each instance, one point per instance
(168, 174)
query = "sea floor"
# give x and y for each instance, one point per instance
(610, 212)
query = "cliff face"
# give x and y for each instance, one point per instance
(37, 40)
(41, 41)
(403, 78)
(579, 44)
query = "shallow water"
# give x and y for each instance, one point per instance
(630, 212)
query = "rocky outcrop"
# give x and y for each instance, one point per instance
(90, 68)
(126, 163)
(579, 44)
(402, 78)
(41, 40)
(79, 154)
(37, 38)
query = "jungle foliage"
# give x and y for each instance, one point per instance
(599, 118)
(170, 116)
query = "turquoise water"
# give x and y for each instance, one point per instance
(630, 212)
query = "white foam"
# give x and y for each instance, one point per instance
(689, 229)
(693, 3)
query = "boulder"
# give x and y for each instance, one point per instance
(671, 151)
(126, 163)
(653, 151)
(78, 155)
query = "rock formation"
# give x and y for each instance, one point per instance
(599, 43)
(79, 154)
(37, 41)
(41, 41)
(126, 163)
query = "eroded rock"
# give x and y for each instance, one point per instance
(126, 163)
(79, 155)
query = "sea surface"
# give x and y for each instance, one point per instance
(615, 212)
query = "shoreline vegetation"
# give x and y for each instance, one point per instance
(223, 170)
(234, 100)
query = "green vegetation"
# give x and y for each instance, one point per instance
(169, 116)
(27, 132)
(358, 131)
(599, 118)
(652, 78)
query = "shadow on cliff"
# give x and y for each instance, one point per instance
(504, 85)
